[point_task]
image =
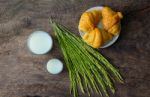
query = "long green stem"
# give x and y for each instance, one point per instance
(88, 69)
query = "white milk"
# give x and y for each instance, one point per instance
(54, 66)
(40, 42)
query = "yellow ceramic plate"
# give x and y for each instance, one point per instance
(113, 40)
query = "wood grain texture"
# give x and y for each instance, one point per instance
(23, 74)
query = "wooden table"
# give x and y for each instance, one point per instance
(23, 74)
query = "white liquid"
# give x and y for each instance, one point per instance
(40, 42)
(54, 66)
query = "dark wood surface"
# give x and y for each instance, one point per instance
(23, 74)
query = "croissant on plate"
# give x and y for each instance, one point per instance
(111, 20)
(94, 38)
(89, 20)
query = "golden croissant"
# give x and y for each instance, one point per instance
(111, 20)
(94, 38)
(89, 20)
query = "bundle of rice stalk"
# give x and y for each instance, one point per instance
(88, 70)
